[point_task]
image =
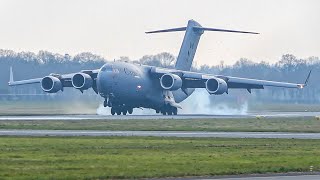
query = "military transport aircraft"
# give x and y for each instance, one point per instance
(126, 86)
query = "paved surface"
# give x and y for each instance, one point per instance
(184, 116)
(279, 176)
(160, 134)
(303, 177)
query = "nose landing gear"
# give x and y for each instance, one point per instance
(168, 110)
(107, 103)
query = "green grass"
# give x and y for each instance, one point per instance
(48, 107)
(145, 157)
(307, 124)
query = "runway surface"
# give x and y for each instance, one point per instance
(299, 177)
(304, 177)
(260, 177)
(183, 116)
(196, 134)
(285, 176)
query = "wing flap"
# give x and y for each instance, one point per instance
(236, 82)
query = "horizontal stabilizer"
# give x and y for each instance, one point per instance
(168, 30)
(222, 30)
(199, 29)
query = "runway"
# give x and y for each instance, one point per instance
(304, 177)
(195, 134)
(287, 176)
(182, 116)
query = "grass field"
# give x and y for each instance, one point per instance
(307, 124)
(145, 157)
(47, 107)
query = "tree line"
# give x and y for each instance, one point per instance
(288, 68)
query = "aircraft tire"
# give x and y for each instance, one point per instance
(105, 103)
(175, 111)
(113, 111)
(118, 111)
(130, 111)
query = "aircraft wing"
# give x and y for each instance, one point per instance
(197, 80)
(22, 82)
(65, 79)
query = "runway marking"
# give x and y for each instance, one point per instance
(274, 135)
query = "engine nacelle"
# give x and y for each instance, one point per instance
(216, 86)
(170, 82)
(81, 81)
(51, 84)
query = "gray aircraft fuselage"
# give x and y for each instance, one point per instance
(132, 85)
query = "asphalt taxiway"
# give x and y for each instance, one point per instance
(196, 134)
(304, 177)
(284, 176)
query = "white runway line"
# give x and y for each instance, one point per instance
(272, 135)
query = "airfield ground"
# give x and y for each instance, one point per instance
(145, 157)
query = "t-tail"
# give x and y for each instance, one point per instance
(190, 42)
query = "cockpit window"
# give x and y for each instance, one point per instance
(106, 68)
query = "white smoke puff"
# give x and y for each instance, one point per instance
(103, 110)
(199, 103)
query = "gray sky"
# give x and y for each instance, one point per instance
(114, 28)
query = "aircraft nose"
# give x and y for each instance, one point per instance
(102, 80)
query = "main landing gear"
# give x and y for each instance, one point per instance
(121, 109)
(168, 110)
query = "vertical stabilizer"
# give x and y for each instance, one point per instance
(191, 40)
(189, 46)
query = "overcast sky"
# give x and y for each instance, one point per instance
(114, 28)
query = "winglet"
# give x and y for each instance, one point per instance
(306, 81)
(11, 76)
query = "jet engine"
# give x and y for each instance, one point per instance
(51, 84)
(81, 81)
(170, 82)
(216, 86)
